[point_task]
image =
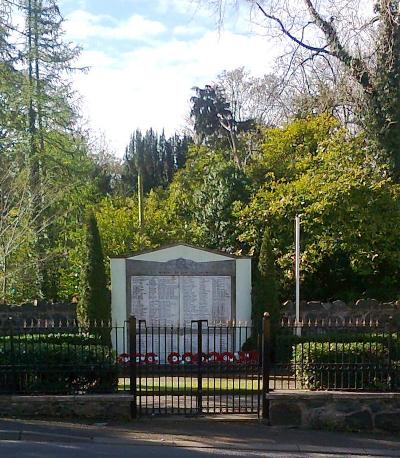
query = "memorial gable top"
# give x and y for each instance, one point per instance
(182, 251)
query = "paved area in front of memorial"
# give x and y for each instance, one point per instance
(184, 437)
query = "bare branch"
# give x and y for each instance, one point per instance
(356, 65)
(291, 36)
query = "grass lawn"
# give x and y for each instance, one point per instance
(176, 385)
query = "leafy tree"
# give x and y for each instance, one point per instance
(214, 203)
(94, 304)
(366, 45)
(349, 249)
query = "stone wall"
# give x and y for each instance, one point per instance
(36, 315)
(316, 410)
(338, 312)
(338, 411)
(84, 407)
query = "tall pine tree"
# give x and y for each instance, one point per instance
(48, 58)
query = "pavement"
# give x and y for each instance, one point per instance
(185, 437)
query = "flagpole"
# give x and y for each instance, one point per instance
(297, 272)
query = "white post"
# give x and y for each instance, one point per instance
(297, 272)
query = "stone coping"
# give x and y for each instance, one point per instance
(330, 395)
(276, 395)
(71, 397)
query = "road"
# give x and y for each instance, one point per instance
(183, 438)
(35, 450)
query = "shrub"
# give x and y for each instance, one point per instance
(54, 338)
(342, 366)
(286, 341)
(64, 364)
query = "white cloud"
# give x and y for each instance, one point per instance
(81, 25)
(151, 86)
(189, 8)
(188, 30)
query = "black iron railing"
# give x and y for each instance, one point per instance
(194, 369)
(199, 367)
(351, 355)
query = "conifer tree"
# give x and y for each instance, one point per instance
(157, 158)
(47, 58)
(94, 304)
(266, 285)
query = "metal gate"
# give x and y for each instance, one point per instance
(196, 369)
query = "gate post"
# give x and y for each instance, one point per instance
(199, 368)
(132, 364)
(266, 362)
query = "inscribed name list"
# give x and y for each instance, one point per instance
(180, 299)
(155, 298)
(205, 298)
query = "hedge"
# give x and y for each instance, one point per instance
(64, 364)
(286, 342)
(344, 366)
(54, 338)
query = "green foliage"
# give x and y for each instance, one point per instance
(220, 195)
(209, 108)
(266, 287)
(349, 365)
(334, 181)
(94, 304)
(156, 156)
(286, 342)
(52, 338)
(57, 365)
(221, 187)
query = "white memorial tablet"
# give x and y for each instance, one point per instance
(172, 299)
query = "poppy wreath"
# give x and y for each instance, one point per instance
(227, 357)
(123, 358)
(204, 357)
(174, 358)
(242, 357)
(187, 357)
(151, 358)
(214, 357)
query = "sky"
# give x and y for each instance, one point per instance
(144, 56)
